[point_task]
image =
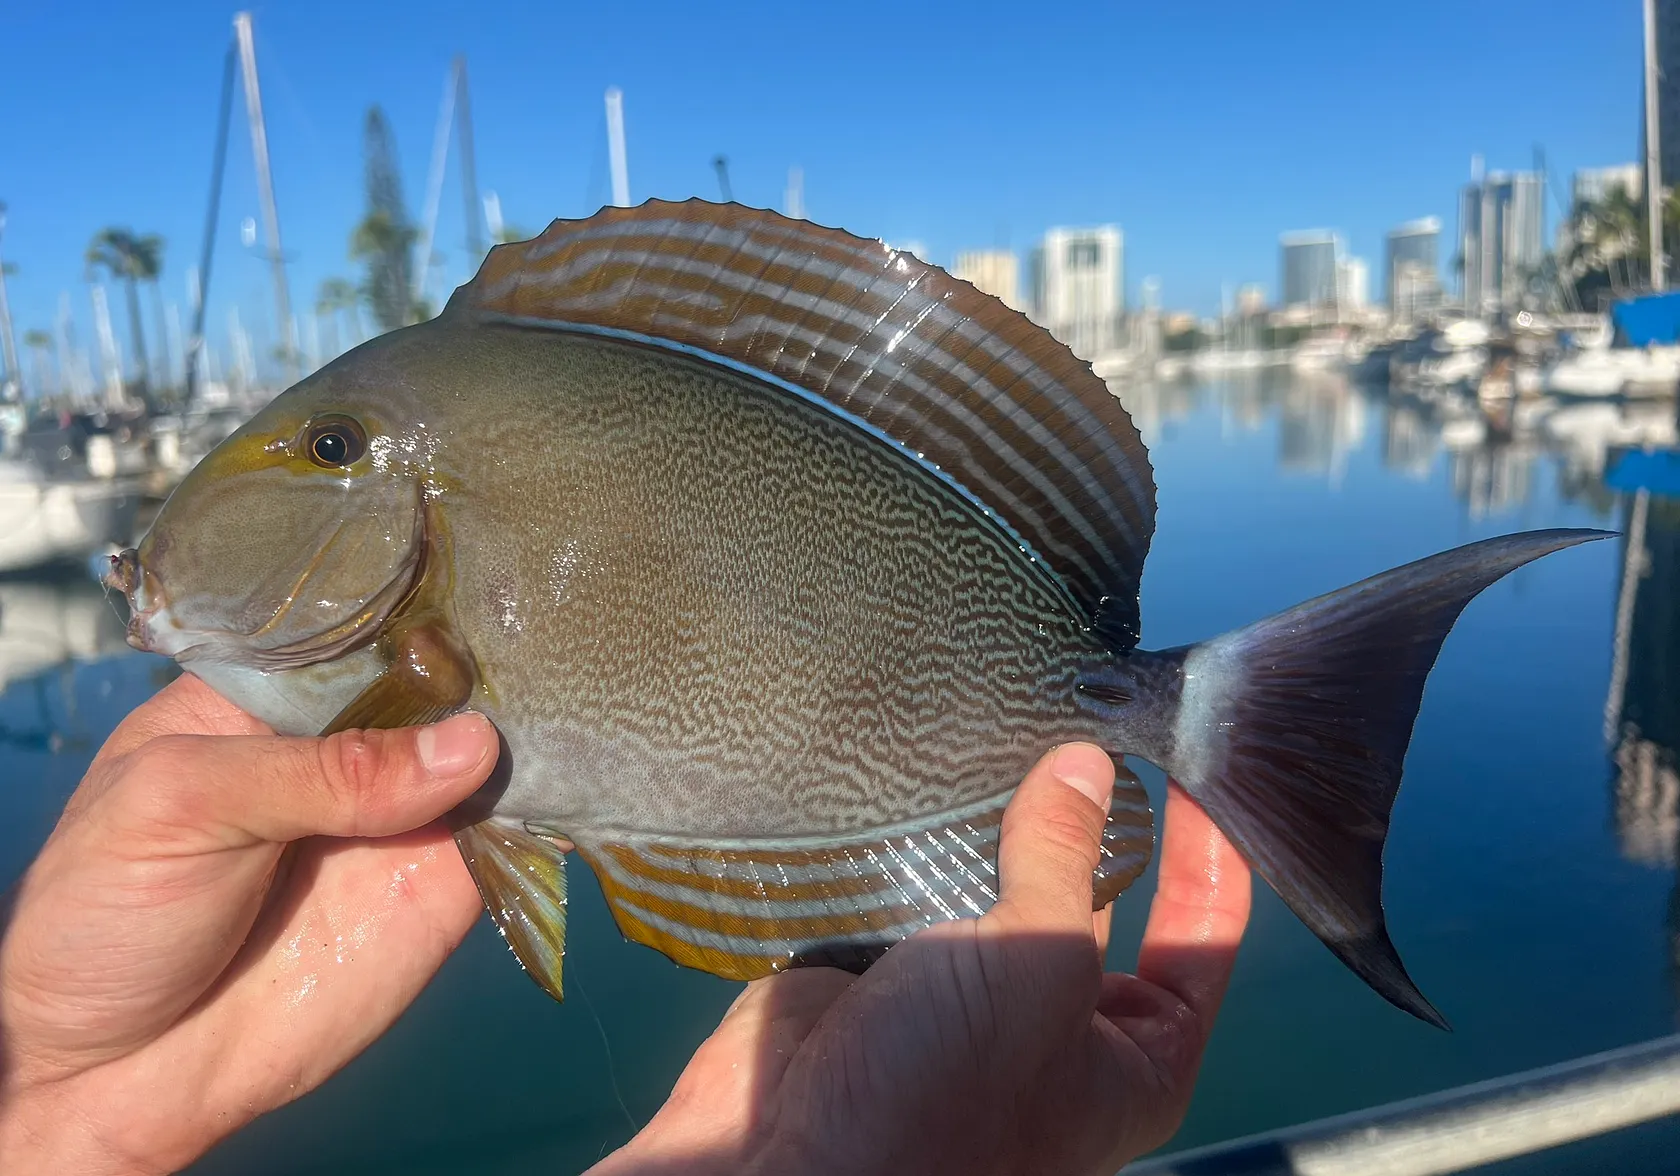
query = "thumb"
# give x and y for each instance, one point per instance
(236, 790)
(1051, 840)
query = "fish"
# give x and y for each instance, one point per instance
(777, 556)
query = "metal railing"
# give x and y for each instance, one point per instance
(1457, 1130)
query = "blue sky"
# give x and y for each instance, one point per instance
(1202, 129)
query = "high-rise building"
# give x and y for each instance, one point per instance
(1308, 265)
(991, 271)
(1077, 279)
(1414, 259)
(1591, 185)
(1414, 292)
(1500, 238)
(1353, 284)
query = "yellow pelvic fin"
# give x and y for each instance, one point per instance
(522, 878)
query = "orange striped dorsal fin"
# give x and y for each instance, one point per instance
(972, 390)
(747, 909)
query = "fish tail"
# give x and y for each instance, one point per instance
(1291, 734)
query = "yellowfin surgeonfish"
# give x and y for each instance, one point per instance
(777, 556)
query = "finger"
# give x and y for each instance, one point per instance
(220, 792)
(1052, 839)
(184, 707)
(1100, 923)
(749, 1052)
(1200, 910)
(344, 948)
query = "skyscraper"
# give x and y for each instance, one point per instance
(1501, 239)
(1353, 284)
(992, 271)
(1077, 279)
(1307, 265)
(1413, 257)
(1592, 185)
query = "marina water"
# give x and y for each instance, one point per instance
(1530, 886)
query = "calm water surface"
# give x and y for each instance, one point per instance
(1530, 869)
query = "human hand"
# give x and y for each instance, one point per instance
(210, 932)
(992, 1045)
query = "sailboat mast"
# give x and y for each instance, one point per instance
(1653, 150)
(199, 280)
(434, 190)
(8, 344)
(615, 148)
(265, 190)
(469, 171)
(795, 196)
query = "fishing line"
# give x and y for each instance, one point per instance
(606, 1046)
(111, 604)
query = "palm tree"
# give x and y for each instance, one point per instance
(385, 243)
(40, 348)
(338, 296)
(1608, 246)
(134, 258)
(326, 320)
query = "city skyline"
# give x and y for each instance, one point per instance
(1199, 194)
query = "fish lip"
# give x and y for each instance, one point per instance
(152, 627)
(144, 594)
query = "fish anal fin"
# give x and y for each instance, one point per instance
(745, 909)
(1128, 840)
(430, 675)
(522, 879)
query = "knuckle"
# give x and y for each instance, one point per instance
(1063, 836)
(166, 757)
(352, 766)
(158, 780)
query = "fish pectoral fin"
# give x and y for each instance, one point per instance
(522, 879)
(744, 909)
(431, 674)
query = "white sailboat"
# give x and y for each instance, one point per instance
(46, 520)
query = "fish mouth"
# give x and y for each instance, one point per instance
(155, 627)
(143, 593)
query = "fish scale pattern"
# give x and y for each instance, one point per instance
(961, 382)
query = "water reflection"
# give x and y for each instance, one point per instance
(1642, 711)
(1497, 453)
(1269, 458)
(46, 627)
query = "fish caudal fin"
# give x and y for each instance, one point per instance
(1291, 734)
(522, 879)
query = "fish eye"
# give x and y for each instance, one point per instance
(334, 442)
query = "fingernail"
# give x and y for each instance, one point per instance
(451, 746)
(1085, 769)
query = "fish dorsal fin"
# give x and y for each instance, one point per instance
(966, 385)
(746, 909)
